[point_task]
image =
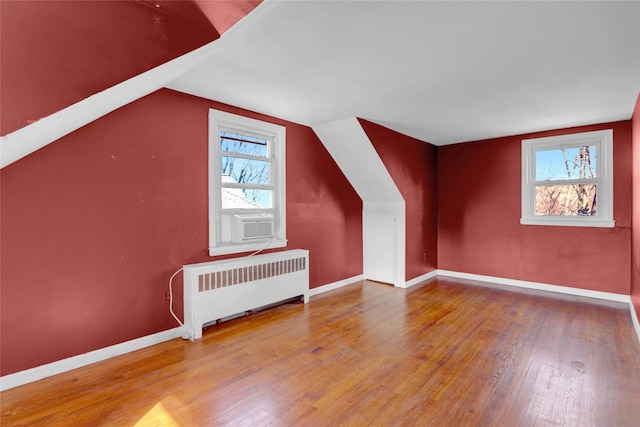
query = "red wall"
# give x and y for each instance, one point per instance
(413, 166)
(224, 14)
(56, 53)
(94, 224)
(635, 239)
(479, 186)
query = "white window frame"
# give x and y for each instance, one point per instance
(221, 120)
(603, 140)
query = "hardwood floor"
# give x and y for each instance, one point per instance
(438, 354)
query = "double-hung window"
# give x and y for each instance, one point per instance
(247, 201)
(568, 180)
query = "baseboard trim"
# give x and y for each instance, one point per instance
(427, 276)
(44, 371)
(335, 285)
(634, 318)
(50, 369)
(54, 368)
(539, 286)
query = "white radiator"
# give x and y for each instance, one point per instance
(219, 289)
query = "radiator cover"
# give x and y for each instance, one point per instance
(219, 289)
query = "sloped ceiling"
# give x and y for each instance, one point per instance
(56, 53)
(443, 72)
(67, 63)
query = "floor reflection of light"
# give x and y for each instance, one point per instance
(157, 416)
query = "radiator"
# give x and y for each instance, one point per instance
(219, 289)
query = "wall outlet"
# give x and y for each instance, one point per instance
(167, 295)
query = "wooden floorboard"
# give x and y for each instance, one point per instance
(443, 353)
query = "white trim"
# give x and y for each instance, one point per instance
(335, 285)
(247, 247)
(64, 365)
(569, 221)
(634, 318)
(398, 211)
(277, 134)
(39, 372)
(423, 278)
(539, 286)
(60, 366)
(28, 139)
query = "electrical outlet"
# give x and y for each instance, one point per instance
(167, 295)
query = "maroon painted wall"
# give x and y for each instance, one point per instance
(224, 14)
(635, 239)
(479, 186)
(94, 224)
(413, 166)
(56, 53)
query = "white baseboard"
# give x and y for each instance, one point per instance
(39, 372)
(335, 285)
(44, 371)
(427, 276)
(539, 286)
(551, 288)
(634, 319)
(64, 365)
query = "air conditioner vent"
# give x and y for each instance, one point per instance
(247, 227)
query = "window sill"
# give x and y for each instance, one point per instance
(583, 222)
(232, 248)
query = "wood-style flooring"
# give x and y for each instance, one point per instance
(443, 353)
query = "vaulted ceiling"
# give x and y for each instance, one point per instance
(441, 71)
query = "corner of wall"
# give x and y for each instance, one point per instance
(352, 150)
(635, 212)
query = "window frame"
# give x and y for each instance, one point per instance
(276, 134)
(603, 140)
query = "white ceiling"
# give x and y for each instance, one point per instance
(443, 72)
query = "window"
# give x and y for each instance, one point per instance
(568, 180)
(247, 201)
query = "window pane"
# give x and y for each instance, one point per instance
(245, 171)
(566, 163)
(243, 144)
(261, 197)
(576, 199)
(238, 198)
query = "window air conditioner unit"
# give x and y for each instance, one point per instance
(248, 227)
